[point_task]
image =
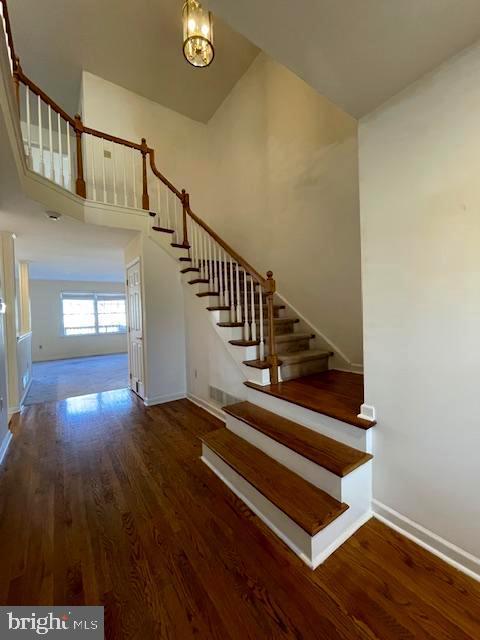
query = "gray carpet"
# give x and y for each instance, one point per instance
(60, 379)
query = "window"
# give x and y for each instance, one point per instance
(93, 313)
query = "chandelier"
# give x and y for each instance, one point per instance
(197, 34)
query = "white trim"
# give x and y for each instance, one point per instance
(290, 543)
(343, 537)
(23, 336)
(208, 406)
(25, 392)
(447, 551)
(149, 402)
(367, 412)
(5, 444)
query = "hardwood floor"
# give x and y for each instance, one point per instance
(105, 501)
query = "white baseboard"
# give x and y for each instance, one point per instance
(348, 533)
(27, 389)
(149, 402)
(5, 444)
(208, 406)
(367, 412)
(450, 553)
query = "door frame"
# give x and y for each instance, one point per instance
(128, 266)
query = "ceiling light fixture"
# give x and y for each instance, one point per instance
(197, 34)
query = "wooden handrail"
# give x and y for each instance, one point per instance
(160, 176)
(9, 34)
(265, 283)
(114, 139)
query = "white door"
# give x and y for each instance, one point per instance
(135, 329)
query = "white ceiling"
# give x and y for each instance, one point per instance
(135, 44)
(358, 53)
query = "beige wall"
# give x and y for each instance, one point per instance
(285, 194)
(180, 143)
(275, 172)
(420, 204)
(48, 343)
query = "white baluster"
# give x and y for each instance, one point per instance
(202, 255)
(193, 244)
(134, 178)
(253, 324)
(124, 162)
(239, 305)
(232, 296)
(205, 256)
(245, 307)
(167, 208)
(200, 251)
(103, 172)
(226, 301)
(40, 135)
(29, 131)
(60, 149)
(50, 143)
(221, 284)
(115, 199)
(216, 283)
(260, 320)
(69, 156)
(92, 162)
(158, 202)
(210, 269)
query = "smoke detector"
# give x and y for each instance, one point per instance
(53, 215)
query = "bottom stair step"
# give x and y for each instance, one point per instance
(310, 508)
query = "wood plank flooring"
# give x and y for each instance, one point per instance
(105, 501)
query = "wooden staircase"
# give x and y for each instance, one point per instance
(295, 451)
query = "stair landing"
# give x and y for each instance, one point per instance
(337, 394)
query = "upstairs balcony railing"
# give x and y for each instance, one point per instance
(104, 168)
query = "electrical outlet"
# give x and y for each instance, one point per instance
(107, 154)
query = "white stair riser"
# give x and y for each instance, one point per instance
(355, 489)
(312, 550)
(336, 429)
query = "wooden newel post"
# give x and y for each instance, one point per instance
(186, 206)
(145, 198)
(272, 347)
(80, 186)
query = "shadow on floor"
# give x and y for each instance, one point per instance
(60, 379)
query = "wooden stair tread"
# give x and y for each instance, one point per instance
(204, 294)
(336, 394)
(198, 281)
(185, 259)
(244, 343)
(179, 246)
(218, 308)
(163, 229)
(334, 456)
(230, 324)
(259, 364)
(190, 269)
(310, 508)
